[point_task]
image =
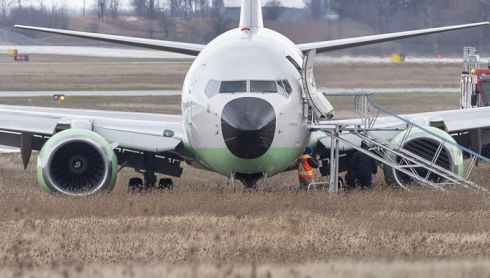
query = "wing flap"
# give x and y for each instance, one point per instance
(466, 119)
(333, 45)
(35, 125)
(137, 131)
(177, 47)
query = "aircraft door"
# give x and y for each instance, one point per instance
(321, 106)
(194, 89)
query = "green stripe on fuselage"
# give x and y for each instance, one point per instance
(274, 161)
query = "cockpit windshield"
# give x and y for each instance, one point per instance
(233, 87)
(281, 87)
(263, 86)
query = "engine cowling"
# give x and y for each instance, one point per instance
(425, 145)
(76, 162)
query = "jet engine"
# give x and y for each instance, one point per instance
(426, 146)
(76, 162)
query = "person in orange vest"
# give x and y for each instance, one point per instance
(306, 163)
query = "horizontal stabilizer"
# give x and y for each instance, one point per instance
(332, 45)
(177, 47)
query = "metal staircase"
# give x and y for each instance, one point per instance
(425, 163)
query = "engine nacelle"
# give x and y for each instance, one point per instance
(76, 162)
(425, 145)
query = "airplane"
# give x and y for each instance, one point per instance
(246, 103)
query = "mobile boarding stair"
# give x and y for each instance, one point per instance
(421, 169)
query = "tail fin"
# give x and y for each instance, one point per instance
(251, 14)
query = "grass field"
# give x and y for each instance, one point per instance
(203, 229)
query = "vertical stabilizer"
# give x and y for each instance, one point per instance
(251, 14)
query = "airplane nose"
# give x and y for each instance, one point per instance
(248, 125)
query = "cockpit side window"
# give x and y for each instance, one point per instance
(284, 88)
(263, 86)
(233, 86)
(212, 88)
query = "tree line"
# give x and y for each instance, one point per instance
(381, 16)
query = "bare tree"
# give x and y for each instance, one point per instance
(152, 9)
(203, 7)
(273, 10)
(101, 9)
(316, 8)
(4, 6)
(57, 17)
(219, 22)
(42, 6)
(19, 3)
(177, 8)
(139, 7)
(114, 7)
(167, 24)
(146, 8)
(189, 8)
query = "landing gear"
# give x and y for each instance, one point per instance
(165, 184)
(149, 180)
(137, 184)
(249, 180)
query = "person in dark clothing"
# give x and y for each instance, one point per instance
(362, 169)
(306, 163)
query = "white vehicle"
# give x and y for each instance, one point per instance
(247, 102)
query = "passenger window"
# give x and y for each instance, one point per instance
(263, 87)
(212, 88)
(233, 86)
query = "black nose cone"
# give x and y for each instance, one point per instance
(248, 125)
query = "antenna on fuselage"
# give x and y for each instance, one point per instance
(251, 15)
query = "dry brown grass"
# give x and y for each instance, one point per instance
(48, 72)
(203, 222)
(388, 75)
(203, 229)
(45, 73)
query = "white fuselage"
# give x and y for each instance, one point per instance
(251, 58)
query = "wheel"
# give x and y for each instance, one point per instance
(341, 183)
(135, 184)
(165, 184)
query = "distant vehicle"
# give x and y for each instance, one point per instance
(475, 90)
(475, 82)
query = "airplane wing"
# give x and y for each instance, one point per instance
(454, 122)
(136, 131)
(177, 47)
(325, 46)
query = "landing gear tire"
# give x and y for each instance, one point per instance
(341, 183)
(135, 184)
(165, 184)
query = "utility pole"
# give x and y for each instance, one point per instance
(84, 8)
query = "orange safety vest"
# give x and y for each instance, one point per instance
(305, 170)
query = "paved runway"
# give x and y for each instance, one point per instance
(176, 92)
(91, 51)
(90, 93)
(389, 90)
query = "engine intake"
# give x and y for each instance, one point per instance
(77, 162)
(425, 146)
